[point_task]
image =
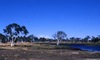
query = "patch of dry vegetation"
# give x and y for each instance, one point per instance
(33, 51)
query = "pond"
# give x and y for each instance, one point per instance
(85, 47)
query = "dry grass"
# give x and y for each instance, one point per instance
(33, 51)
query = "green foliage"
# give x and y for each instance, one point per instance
(60, 35)
(3, 38)
(14, 30)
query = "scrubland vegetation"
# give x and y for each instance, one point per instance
(34, 51)
(16, 44)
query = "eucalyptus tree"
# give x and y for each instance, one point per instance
(86, 39)
(24, 30)
(13, 31)
(42, 39)
(30, 38)
(3, 38)
(23, 33)
(59, 35)
(96, 39)
(72, 39)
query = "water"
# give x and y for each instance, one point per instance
(86, 47)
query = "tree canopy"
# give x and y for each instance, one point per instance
(59, 35)
(14, 30)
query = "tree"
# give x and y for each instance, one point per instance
(95, 39)
(72, 39)
(60, 35)
(30, 38)
(14, 30)
(42, 39)
(36, 38)
(3, 38)
(98, 36)
(24, 30)
(77, 40)
(86, 38)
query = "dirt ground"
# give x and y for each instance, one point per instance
(20, 54)
(38, 52)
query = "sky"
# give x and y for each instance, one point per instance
(77, 18)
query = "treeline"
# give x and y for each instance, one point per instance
(15, 33)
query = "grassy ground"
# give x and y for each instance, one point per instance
(30, 51)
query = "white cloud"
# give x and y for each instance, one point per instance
(45, 36)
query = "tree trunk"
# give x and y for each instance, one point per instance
(58, 41)
(12, 42)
